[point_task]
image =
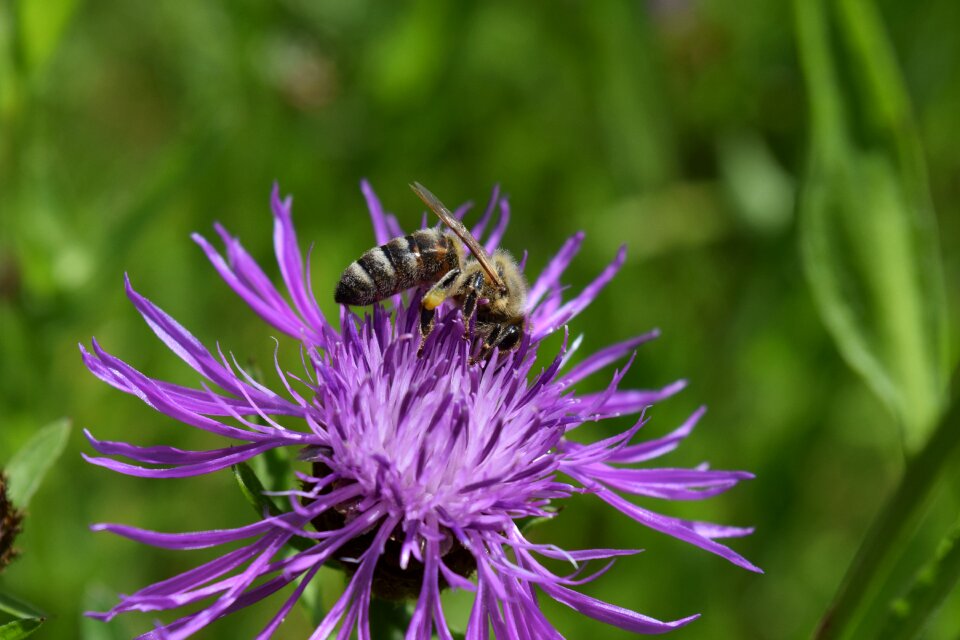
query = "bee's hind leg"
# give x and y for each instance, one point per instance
(432, 299)
(471, 288)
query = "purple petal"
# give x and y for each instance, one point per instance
(191, 350)
(661, 446)
(624, 403)
(236, 456)
(161, 454)
(612, 614)
(195, 400)
(193, 540)
(291, 266)
(671, 526)
(150, 393)
(669, 484)
(497, 234)
(279, 316)
(481, 225)
(247, 270)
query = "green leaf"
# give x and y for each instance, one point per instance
(18, 608)
(253, 490)
(32, 462)
(274, 467)
(20, 628)
(528, 524)
(910, 614)
(868, 233)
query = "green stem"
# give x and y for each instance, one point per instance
(909, 615)
(899, 516)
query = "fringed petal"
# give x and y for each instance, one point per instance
(545, 324)
(680, 529)
(291, 267)
(605, 357)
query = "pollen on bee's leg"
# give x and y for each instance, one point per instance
(432, 300)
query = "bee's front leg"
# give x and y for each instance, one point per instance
(431, 300)
(489, 334)
(471, 293)
(505, 337)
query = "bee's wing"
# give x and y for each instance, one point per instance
(462, 232)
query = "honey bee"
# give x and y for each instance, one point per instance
(492, 287)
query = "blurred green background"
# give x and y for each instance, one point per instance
(678, 127)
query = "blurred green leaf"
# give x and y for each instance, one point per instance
(42, 25)
(910, 614)
(20, 628)
(761, 190)
(98, 597)
(868, 232)
(31, 463)
(17, 608)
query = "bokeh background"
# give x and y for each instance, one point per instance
(676, 126)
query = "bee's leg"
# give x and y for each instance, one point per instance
(505, 337)
(490, 335)
(433, 299)
(472, 289)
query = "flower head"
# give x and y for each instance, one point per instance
(10, 523)
(419, 472)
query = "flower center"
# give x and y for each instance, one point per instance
(390, 580)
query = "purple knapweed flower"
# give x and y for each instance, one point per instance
(419, 472)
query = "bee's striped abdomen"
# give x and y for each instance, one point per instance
(404, 262)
